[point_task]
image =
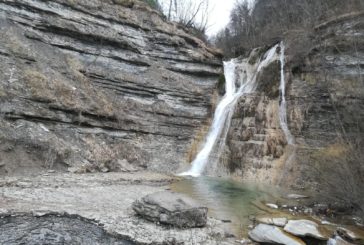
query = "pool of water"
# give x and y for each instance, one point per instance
(236, 202)
(228, 200)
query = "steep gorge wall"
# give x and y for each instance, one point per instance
(325, 97)
(98, 86)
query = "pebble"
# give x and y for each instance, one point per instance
(271, 205)
(296, 196)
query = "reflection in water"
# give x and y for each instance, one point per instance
(226, 199)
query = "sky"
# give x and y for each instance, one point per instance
(219, 15)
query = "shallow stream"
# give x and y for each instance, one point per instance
(229, 201)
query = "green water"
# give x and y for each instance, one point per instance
(229, 200)
(239, 202)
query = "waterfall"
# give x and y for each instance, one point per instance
(225, 108)
(283, 104)
(291, 150)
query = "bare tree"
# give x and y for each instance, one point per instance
(170, 8)
(189, 13)
(269, 20)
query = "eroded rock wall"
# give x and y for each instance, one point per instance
(97, 86)
(325, 97)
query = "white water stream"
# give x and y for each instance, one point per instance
(225, 108)
(283, 104)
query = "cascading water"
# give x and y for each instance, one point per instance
(291, 150)
(218, 122)
(223, 112)
(283, 104)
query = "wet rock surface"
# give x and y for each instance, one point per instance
(54, 229)
(171, 208)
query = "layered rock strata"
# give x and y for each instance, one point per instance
(84, 84)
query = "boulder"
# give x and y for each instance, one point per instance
(263, 233)
(272, 205)
(304, 228)
(171, 208)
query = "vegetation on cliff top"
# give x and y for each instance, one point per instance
(269, 20)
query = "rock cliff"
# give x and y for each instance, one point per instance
(99, 85)
(325, 96)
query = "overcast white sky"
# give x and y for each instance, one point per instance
(220, 14)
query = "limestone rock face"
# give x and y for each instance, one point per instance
(173, 209)
(324, 96)
(86, 83)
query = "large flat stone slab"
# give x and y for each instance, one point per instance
(171, 209)
(272, 221)
(263, 233)
(304, 228)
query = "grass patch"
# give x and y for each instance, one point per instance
(38, 85)
(76, 92)
(95, 99)
(16, 46)
(72, 2)
(336, 150)
(309, 78)
(50, 90)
